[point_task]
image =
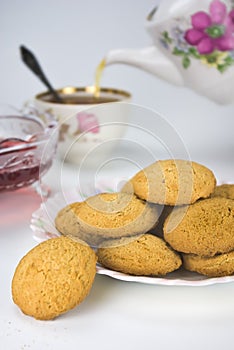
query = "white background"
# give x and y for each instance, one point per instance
(70, 37)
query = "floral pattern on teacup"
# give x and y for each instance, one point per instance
(210, 38)
(87, 122)
(63, 131)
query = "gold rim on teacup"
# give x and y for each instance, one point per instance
(67, 91)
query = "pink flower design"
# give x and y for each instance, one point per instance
(87, 122)
(212, 31)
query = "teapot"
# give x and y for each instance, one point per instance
(193, 46)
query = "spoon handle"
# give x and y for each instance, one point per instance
(31, 62)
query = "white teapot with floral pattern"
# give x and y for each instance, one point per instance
(193, 46)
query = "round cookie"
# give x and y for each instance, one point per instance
(172, 182)
(217, 266)
(107, 216)
(146, 256)
(53, 277)
(204, 228)
(225, 190)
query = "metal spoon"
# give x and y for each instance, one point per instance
(31, 62)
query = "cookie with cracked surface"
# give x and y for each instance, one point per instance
(225, 190)
(53, 278)
(172, 182)
(107, 216)
(216, 266)
(205, 228)
(147, 255)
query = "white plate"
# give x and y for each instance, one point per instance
(42, 224)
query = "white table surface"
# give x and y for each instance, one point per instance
(116, 314)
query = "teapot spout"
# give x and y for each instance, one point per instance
(150, 59)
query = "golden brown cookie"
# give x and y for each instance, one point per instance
(216, 266)
(172, 182)
(53, 277)
(225, 190)
(204, 228)
(106, 216)
(146, 256)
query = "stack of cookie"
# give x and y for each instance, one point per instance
(167, 213)
(198, 219)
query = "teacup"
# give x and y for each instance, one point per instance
(86, 121)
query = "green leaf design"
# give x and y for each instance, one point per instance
(178, 52)
(212, 58)
(166, 37)
(194, 53)
(186, 62)
(222, 67)
(229, 60)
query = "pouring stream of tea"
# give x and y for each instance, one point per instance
(98, 75)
